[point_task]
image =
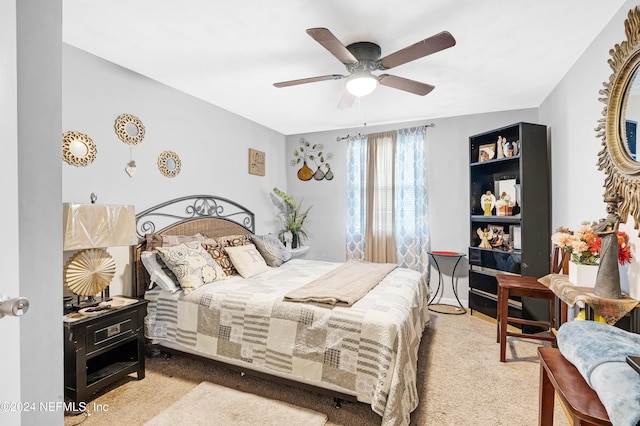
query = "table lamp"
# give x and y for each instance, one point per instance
(90, 228)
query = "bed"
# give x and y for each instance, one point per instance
(365, 352)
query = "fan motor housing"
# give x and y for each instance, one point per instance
(365, 51)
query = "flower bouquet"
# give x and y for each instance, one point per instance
(584, 244)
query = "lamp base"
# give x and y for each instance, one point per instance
(89, 302)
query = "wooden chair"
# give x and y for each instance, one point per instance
(559, 265)
(522, 286)
(516, 285)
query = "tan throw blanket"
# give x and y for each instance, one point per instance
(343, 286)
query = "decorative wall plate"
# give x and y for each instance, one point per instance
(78, 149)
(129, 129)
(169, 163)
(90, 271)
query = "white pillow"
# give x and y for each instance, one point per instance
(247, 260)
(192, 265)
(159, 275)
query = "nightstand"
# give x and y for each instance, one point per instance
(299, 251)
(103, 348)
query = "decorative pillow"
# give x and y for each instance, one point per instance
(159, 272)
(247, 260)
(233, 240)
(272, 250)
(159, 240)
(192, 265)
(217, 252)
(153, 241)
(174, 240)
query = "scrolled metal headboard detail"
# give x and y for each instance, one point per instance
(191, 207)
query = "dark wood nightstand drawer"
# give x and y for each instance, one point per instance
(111, 331)
(102, 349)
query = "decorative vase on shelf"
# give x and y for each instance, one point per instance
(295, 241)
(583, 275)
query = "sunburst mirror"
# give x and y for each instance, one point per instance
(129, 129)
(619, 125)
(169, 163)
(78, 149)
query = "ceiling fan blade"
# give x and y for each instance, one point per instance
(309, 80)
(347, 100)
(405, 84)
(332, 44)
(430, 45)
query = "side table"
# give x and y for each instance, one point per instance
(103, 348)
(458, 309)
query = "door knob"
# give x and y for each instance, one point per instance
(15, 307)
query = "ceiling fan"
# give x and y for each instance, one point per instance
(363, 57)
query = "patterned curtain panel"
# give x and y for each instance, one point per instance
(411, 215)
(356, 190)
(409, 206)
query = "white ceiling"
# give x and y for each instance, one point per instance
(509, 54)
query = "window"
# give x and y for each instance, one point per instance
(396, 217)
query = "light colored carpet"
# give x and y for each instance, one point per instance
(211, 404)
(460, 382)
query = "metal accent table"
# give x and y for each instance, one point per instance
(459, 309)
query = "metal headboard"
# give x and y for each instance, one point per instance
(192, 207)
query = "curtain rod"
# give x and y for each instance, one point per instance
(360, 134)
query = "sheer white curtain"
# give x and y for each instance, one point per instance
(386, 187)
(379, 241)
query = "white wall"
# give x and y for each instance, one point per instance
(448, 183)
(572, 112)
(212, 144)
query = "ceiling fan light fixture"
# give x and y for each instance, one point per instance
(361, 83)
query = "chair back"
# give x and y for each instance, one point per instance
(559, 261)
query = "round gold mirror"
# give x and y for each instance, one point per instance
(169, 164)
(619, 127)
(129, 129)
(78, 149)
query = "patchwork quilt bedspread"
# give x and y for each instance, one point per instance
(369, 348)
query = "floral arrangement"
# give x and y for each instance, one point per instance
(291, 216)
(584, 244)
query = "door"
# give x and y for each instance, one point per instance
(9, 326)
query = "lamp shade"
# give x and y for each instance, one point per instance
(361, 83)
(98, 225)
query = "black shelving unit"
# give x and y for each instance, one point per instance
(528, 167)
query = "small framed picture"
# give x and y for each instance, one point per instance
(256, 162)
(486, 152)
(516, 237)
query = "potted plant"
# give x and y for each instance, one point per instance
(292, 218)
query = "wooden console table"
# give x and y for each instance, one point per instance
(559, 376)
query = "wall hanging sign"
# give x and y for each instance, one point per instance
(309, 157)
(256, 162)
(78, 149)
(169, 163)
